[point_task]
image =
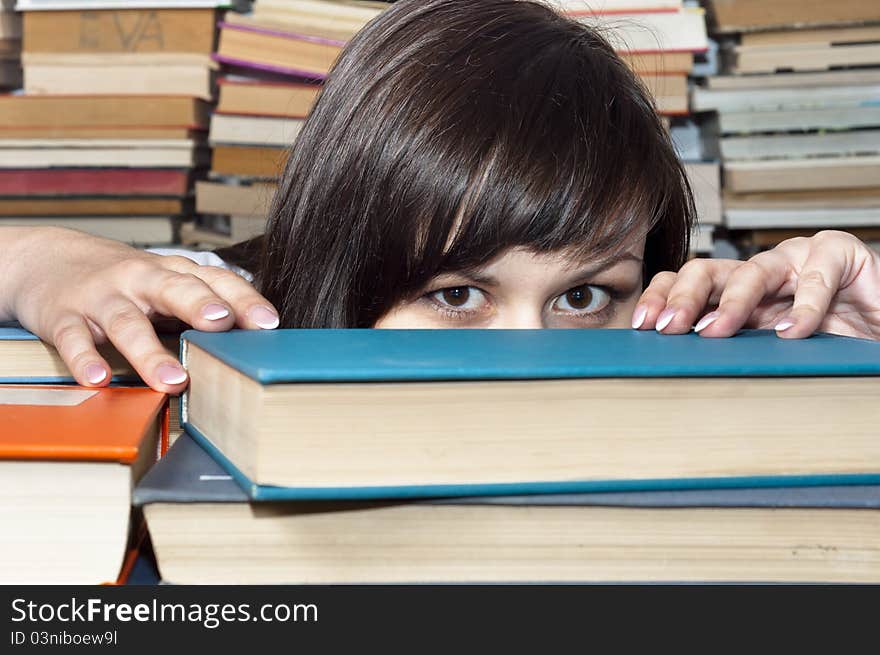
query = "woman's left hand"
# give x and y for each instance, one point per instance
(829, 282)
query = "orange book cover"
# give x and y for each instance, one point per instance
(58, 422)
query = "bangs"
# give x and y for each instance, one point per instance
(450, 131)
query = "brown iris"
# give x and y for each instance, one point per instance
(456, 296)
(579, 297)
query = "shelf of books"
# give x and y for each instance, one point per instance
(795, 118)
(109, 128)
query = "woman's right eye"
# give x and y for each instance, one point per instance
(462, 299)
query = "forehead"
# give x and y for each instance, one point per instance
(564, 261)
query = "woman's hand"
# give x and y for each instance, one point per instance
(827, 283)
(74, 291)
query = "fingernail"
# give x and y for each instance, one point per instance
(170, 374)
(264, 317)
(706, 321)
(784, 324)
(214, 312)
(639, 316)
(95, 373)
(665, 318)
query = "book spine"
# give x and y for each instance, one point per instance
(184, 413)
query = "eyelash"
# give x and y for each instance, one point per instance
(603, 315)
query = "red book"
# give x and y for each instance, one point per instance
(94, 182)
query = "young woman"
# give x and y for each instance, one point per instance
(468, 164)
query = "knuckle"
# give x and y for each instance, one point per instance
(124, 321)
(693, 266)
(814, 279)
(63, 335)
(178, 263)
(663, 276)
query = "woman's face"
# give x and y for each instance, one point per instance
(522, 289)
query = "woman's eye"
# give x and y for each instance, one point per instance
(460, 298)
(585, 299)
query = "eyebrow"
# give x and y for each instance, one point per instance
(487, 280)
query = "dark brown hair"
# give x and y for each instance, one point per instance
(452, 130)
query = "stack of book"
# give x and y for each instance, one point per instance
(798, 121)
(274, 59)
(111, 125)
(383, 456)
(69, 457)
(660, 39)
(10, 46)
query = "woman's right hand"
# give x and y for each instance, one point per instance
(74, 291)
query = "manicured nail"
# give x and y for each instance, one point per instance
(214, 312)
(706, 321)
(170, 374)
(665, 318)
(639, 316)
(264, 317)
(95, 373)
(784, 324)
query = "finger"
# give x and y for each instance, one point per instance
(817, 284)
(76, 346)
(250, 310)
(129, 329)
(652, 301)
(698, 283)
(761, 276)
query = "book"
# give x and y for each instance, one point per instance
(135, 230)
(827, 217)
(24, 358)
(705, 181)
(793, 120)
(253, 97)
(101, 206)
(843, 172)
(842, 77)
(683, 30)
(763, 98)
(252, 200)
(254, 130)
(69, 457)
(864, 198)
(759, 59)
(97, 111)
(400, 413)
(800, 146)
(78, 5)
(581, 7)
(67, 76)
(655, 63)
(93, 182)
(205, 530)
(242, 228)
(749, 15)
(249, 161)
(141, 153)
(120, 30)
(115, 132)
(334, 19)
(277, 51)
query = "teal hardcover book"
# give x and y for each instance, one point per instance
(345, 414)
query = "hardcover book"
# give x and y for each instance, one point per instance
(205, 529)
(69, 457)
(404, 413)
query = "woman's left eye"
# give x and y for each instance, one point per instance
(462, 298)
(585, 299)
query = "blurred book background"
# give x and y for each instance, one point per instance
(169, 122)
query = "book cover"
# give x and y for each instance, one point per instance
(280, 356)
(76, 423)
(189, 474)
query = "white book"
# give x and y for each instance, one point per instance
(800, 119)
(679, 31)
(776, 99)
(55, 5)
(152, 230)
(798, 146)
(613, 6)
(751, 219)
(102, 157)
(69, 79)
(254, 130)
(701, 238)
